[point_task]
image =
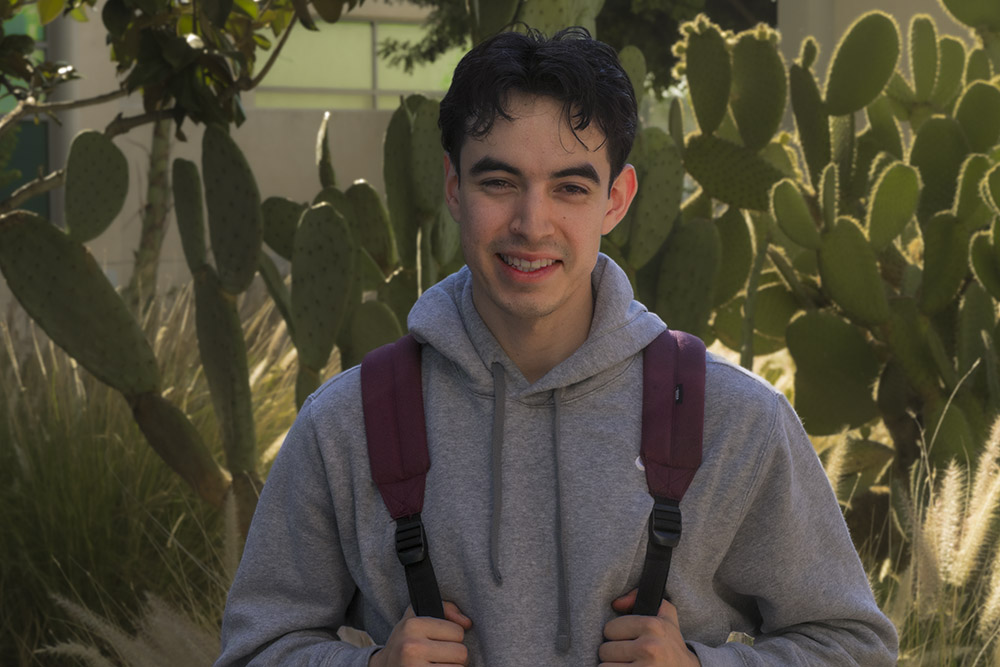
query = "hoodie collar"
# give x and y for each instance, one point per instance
(446, 318)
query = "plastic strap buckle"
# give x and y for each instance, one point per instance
(665, 523)
(411, 540)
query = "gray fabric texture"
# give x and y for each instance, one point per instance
(764, 549)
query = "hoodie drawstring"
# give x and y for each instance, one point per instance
(562, 628)
(500, 400)
(496, 447)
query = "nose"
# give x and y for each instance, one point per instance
(533, 216)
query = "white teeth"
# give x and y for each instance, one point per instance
(525, 265)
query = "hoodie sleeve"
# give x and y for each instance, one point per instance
(792, 555)
(292, 588)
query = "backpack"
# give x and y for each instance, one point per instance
(673, 409)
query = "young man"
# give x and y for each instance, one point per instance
(536, 508)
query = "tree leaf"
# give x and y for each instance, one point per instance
(48, 10)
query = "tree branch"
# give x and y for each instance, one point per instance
(121, 124)
(274, 55)
(40, 185)
(29, 106)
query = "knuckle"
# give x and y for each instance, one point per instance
(410, 648)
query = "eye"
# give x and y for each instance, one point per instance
(497, 184)
(574, 189)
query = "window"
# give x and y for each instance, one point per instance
(338, 68)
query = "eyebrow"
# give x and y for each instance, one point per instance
(487, 164)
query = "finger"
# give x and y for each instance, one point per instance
(447, 653)
(409, 613)
(616, 652)
(625, 603)
(454, 614)
(668, 612)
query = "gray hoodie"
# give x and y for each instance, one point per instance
(536, 512)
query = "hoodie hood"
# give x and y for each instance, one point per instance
(446, 318)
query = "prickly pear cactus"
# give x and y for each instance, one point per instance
(877, 258)
(96, 185)
(234, 217)
(322, 277)
(61, 286)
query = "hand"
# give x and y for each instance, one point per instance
(645, 640)
(422, 640)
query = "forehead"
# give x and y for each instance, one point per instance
(539, 132)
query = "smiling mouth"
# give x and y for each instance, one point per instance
(525, 265)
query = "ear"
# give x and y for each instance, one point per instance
(451, 186)
(622, 193)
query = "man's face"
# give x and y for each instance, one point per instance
(532, 204)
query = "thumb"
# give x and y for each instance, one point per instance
(625, 603)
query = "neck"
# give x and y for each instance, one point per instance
(536, 346)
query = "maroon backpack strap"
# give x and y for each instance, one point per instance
(673, 415)
(393, 401)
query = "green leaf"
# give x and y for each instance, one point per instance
(48, 10)
(248, 7)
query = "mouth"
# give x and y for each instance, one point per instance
(525, 265)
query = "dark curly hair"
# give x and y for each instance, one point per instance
(571, 67)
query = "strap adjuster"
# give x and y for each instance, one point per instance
(411, 540)
(665, 523)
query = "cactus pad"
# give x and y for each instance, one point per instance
(172, 435)
(96, 185)
(234, 215)
(730, 172)
(189, 211)
(60, 285)
(923, 56)
(398, 186)
(728, 328)
(324, 162)
(759, 87)
(969, 205)
(708, 68)
(687, 276)
(736, 255)
(835, 371)
(810, 120)
(371, 226)
(634, 64)
(975, 13)
(829, 193)
(661, 177)
(849, 273)
(862, 64)
(978, 112)
(976, 316)
(978, 67)
(281, 218)
(951, 66)
(946, 261)
(984, 263)
(938, 151)
(892, 204)
(224, 358)
(322, 278)
(426, 165)
(791, 210)
(372, 324)
(884, 128)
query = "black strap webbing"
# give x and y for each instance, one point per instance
(411, 547)
(664, 535)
